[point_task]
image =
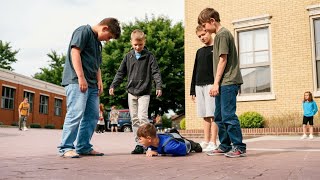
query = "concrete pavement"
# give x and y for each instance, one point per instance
(33, 155)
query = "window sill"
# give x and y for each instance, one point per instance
(316, 94)
(258, 97)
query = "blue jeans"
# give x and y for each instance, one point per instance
(81, 119)
(227, 120)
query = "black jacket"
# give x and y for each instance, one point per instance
(139, 73)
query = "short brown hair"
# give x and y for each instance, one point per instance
(137, 34)
(147, 130)
(199, 28)
(113, 25)
(206, 14)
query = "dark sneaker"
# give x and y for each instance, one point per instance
(216, 152)
(235, 153)
(138, 150)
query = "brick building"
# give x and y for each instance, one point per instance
(47, 101)
(278, 46)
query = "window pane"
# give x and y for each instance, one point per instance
(317, 30)
(246, 58)
(263, 79)
(318, 51)
(261, 39)
(262, 56)
(256, 80)
(245, 41)
(318, 74)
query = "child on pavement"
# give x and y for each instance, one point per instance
(83, 85)
(160, 143)
(202, 80)
(227, 81)
(140, 66)
(310, 108)
(24, 109)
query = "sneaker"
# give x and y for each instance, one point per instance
(204, 144)
(138, 150)
(310, 136)
(235, 153)
(211, 146)
(303, 136)
(25, 129)
(216, 152)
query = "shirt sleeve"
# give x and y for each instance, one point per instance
(315, 109)
(79, 38)
(222, 44)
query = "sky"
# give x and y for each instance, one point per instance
(37, 27)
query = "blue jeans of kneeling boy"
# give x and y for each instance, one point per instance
(227, 120)
(81, 119)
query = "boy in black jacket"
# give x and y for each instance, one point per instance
(140, 65)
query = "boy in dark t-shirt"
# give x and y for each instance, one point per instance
(160, 143)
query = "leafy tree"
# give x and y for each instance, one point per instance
(7, 55)
(53, 74)
(166, 42)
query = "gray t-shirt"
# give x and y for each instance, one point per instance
(224, 44)
(85, 39)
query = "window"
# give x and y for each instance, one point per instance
(254, 56)
(43, 104)
(7, 100)
(316, 25)
(57, 107)
(30, 97)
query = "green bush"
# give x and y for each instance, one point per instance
(183, 124)
(35, 125)
(166, 122)
(50, 126)
(14, 124)
(251, 120)
(1, 123)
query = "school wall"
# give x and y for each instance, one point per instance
(23, 83)
(291, 52)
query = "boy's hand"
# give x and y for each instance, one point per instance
(151, 153)
(159, 93)
(111, 91)
(83, 85)
(214, 91)
(193, 98)
(100, 88)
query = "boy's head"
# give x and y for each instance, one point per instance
(209, 19)
(138, 40)
(146, 134)
(108, 28)
(25, 100)
(204, 35)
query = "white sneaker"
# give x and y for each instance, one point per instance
(25, 129)
(303, 136)
(211, 146)
(204, 145)
(310, 136)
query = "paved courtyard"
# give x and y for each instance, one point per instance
(33, 155)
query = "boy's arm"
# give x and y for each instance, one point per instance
(151, 153)
(193, 81)
(77, 64)
(220, 69)
(118, 78)
(19, 109)
(156, 75)
(100, 84)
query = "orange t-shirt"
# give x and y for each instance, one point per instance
(24, 108)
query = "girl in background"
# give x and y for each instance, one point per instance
(310, 108)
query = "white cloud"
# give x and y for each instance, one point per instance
(36, 27)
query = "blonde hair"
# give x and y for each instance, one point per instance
(199, 28)
(137, 34)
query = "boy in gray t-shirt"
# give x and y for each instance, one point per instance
(83, 85)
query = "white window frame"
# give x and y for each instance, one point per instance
(249, 24)
(314, 14)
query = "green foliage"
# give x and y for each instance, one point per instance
(53, 74)
(35, 125)
(166, 42)
(251, 120)
(49, 126)
(183, 124)
(7, 55)
(1, 123)
(14, 124)
(166, 122)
